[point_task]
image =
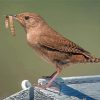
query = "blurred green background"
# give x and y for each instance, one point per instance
(78, 20)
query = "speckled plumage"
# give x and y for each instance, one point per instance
(51, 45)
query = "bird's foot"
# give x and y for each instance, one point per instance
(40, 86)
(45, 87)
(52, 89)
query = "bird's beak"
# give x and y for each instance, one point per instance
(14, 16)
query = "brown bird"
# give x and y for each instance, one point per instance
(51, 45)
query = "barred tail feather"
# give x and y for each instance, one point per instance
(96, 60)
(84, 59)
(93, 60)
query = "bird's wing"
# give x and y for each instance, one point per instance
(61, 44)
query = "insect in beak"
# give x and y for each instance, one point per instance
(9, 22)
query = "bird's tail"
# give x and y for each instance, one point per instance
(84, 59)
(95, 60)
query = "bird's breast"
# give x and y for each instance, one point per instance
(32, 39)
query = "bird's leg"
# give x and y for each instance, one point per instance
(54, 77)
(51, 76)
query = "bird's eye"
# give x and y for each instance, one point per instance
(27, 17)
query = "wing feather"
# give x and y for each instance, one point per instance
(61, 44)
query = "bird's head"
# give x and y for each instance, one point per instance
(29, 20)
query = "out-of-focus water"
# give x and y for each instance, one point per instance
(78, 20)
